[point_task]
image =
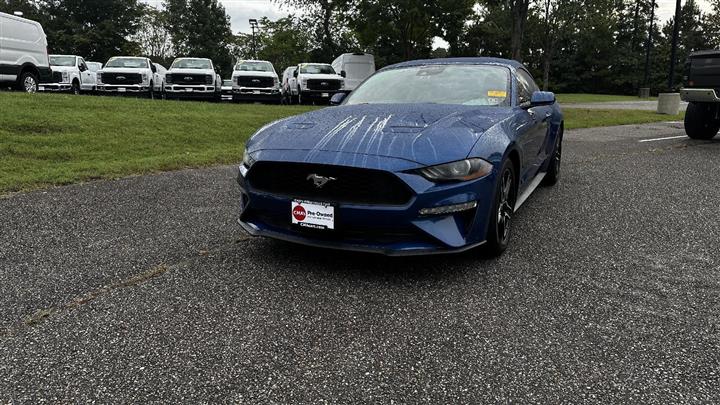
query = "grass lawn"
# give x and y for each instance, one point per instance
(51, 139)
(576, 118)
(569, 98)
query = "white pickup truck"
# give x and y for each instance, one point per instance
(192, 78)
(255, 80)
(70, 73)
(134, 75)
(317, 82)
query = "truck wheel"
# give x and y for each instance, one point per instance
(299, 97)
(700, 121)
(151, 91)
(75, 89)
(28, 82)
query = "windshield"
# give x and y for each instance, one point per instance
(191, 64)
(438, 84)
(62, 61)
(136, 63)
(94, 66)
(309, 69)
(254, 67)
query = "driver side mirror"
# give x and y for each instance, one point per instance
(338, 98)
(295, 73)
(82, 68)
(540, 98)
(153, 68)
(343, 73)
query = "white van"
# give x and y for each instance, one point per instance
(24, 60)
(356, 67)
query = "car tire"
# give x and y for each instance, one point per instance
(75, 89)
(503, 210)
(700, 122)
(28, 83)
(300, 101)
(553, 171)
(151, 91)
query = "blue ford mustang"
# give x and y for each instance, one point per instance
(428, 156)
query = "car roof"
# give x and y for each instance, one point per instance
(705, 53)
(466, 61)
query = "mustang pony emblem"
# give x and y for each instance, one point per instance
(320, 181)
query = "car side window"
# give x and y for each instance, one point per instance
(526, 86)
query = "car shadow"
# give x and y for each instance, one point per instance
(369, 266)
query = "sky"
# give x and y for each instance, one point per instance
(240, 11)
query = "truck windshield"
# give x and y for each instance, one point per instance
(134, 63)
(485, 85)
(309, 69)
(254, 67)
(62, 61)
(191, 64)
(94, 66)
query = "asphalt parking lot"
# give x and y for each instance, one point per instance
(144, 289)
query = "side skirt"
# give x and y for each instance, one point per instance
(529, 190)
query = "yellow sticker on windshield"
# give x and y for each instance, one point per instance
(497, 93)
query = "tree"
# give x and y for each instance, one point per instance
(519, 10)
(95, 29)
(200, 28)
(153, 38)
(285, 42)
(29, 8)
(328, 19)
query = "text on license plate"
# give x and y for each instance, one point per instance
(312, 214)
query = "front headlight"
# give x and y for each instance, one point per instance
(247, 160)
(65, 77)
(462, 170)
(342, 84)
(304, 82)
(144, 77)
(99, 78)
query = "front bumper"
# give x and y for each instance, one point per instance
(185, 91)
(130, 88)
(55, 87)
(699, 95)
(319, 95)
(387, 230)
(256, 94)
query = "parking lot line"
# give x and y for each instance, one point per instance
(662, 139)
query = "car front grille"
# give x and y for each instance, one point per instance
(257, 82)
(348, 185)
(319, 84)
(57, 77)
(189, 79)
(122, 78)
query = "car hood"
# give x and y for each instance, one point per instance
(63, 68)
(253, 74)
(422, 133)
(321, 77)
(191, 72)
(123, 70)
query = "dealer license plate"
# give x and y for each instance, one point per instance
(41, 88)
(121, 90)
(189, 90)
(326, 95)
(256, 91)
(312, 214)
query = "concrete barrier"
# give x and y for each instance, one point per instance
(668, 103)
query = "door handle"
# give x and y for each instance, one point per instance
(547, 116)
(532, 114)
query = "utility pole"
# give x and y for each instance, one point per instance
(649, 44)
(254, 26)
(673, 53)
